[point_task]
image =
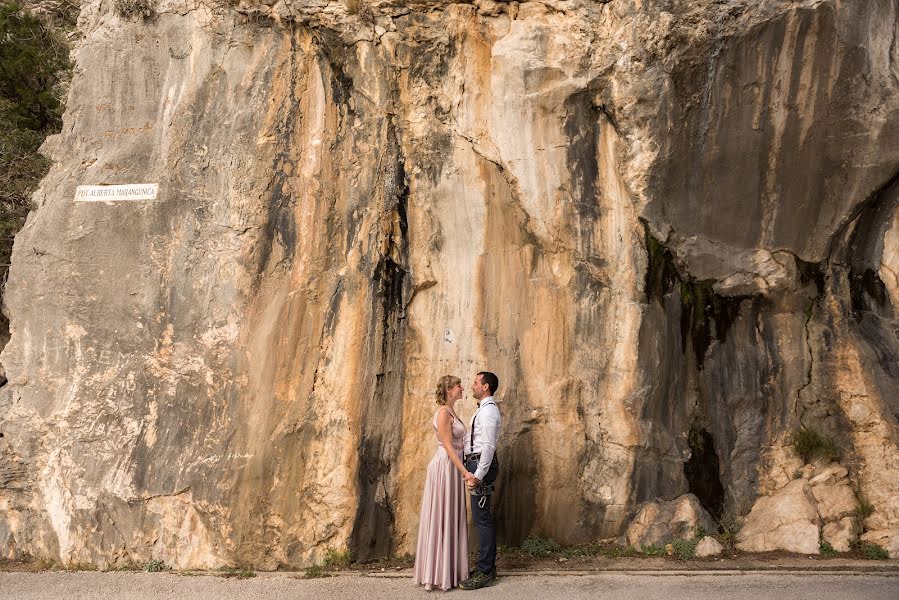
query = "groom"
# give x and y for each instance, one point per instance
(480, 459)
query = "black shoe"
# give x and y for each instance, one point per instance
(478, 580)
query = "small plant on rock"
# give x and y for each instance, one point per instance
(729, 527)
(808, 444)
(132, 8)
(827, 550)
(865, 508)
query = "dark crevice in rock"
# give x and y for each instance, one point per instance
(866, 292)
(702, 471)
(328, 329)
(280, 224)
(334, 54)
(515, 503)
(373, 534)
(582, 129)
(660, 270)
(705, 315)
(867, 222)
(811, 272)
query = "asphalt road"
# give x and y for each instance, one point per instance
(613, 586)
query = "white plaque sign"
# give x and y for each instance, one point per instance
(116, 193)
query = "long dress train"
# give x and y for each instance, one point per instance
(441, 559)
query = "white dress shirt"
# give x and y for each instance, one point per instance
(484, 425)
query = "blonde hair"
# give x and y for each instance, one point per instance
(445, 384)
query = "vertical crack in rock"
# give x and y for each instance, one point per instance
(810, 356)
(381, 414)
(809, 272)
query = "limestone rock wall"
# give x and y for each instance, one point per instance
(668, 226)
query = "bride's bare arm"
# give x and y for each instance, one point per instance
(445, 433)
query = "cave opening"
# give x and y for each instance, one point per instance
(702, 472)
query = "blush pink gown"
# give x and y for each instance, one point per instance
(441, 558)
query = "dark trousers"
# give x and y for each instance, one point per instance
(483, 520)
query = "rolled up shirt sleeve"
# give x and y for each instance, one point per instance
(488, 432)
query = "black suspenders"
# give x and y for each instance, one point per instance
(474, 421)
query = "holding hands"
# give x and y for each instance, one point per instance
(470, 480)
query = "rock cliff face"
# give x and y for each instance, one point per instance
(670, 227)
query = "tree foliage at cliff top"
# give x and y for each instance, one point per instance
(33, 63)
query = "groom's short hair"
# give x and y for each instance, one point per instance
(490, 379)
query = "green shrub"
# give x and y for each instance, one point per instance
(315, 572)
(237, 572)
(34, 59)
(874, 552)
(34, 66)
(865, 508)
(337, 558)
(729, 527)
(827, 550)
(653, 550)
(155, 566)
(684, 549)
(534, 545)
(620, 552)
(808, 444)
